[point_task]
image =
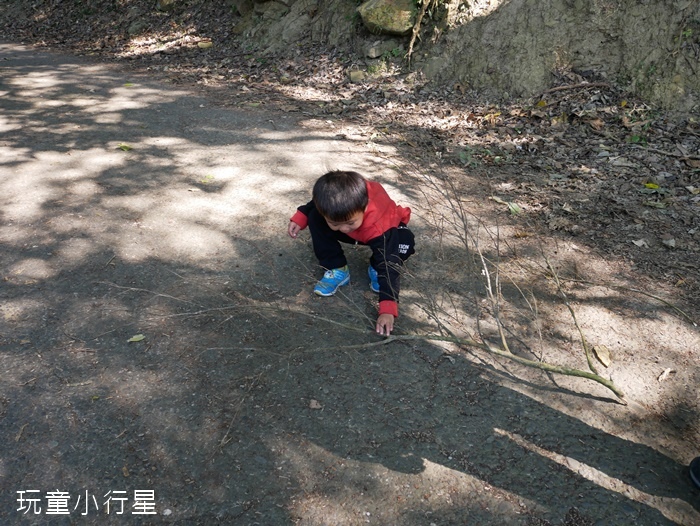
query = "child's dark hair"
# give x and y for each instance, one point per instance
(340, 195)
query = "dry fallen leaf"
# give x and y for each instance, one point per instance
(559, 223)
(512, 207)
(314, 404)
(603, 355)
(596, 124)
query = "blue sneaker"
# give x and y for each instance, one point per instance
(373, 279)
(332, 280)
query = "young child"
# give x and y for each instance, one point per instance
(346, 207)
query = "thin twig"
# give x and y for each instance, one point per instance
(274, 308)
(637, 291)
(582, 85)
(225, 440)
(584, 343)
(668, 154)
(21, 431)
(137, 289)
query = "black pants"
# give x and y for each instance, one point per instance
(329, 252)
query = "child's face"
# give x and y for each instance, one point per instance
(348, 226)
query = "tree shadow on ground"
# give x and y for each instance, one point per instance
(230, 415)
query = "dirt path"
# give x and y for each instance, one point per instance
(157, 334)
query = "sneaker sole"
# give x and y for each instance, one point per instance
(331, 293)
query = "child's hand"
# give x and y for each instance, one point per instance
(385, 324)
(293, 229)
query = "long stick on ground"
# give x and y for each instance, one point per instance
(584, 343)
(559, 369)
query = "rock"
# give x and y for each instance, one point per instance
(165, 5)
(373, 51)
(137, 27)
(668, 241)
(243, 7)
(274, 11)
(379, 48)
(357, 76)
(393, 17)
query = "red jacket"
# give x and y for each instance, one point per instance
(381, 214)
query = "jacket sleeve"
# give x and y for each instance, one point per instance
(301, 216)
(387, 262)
